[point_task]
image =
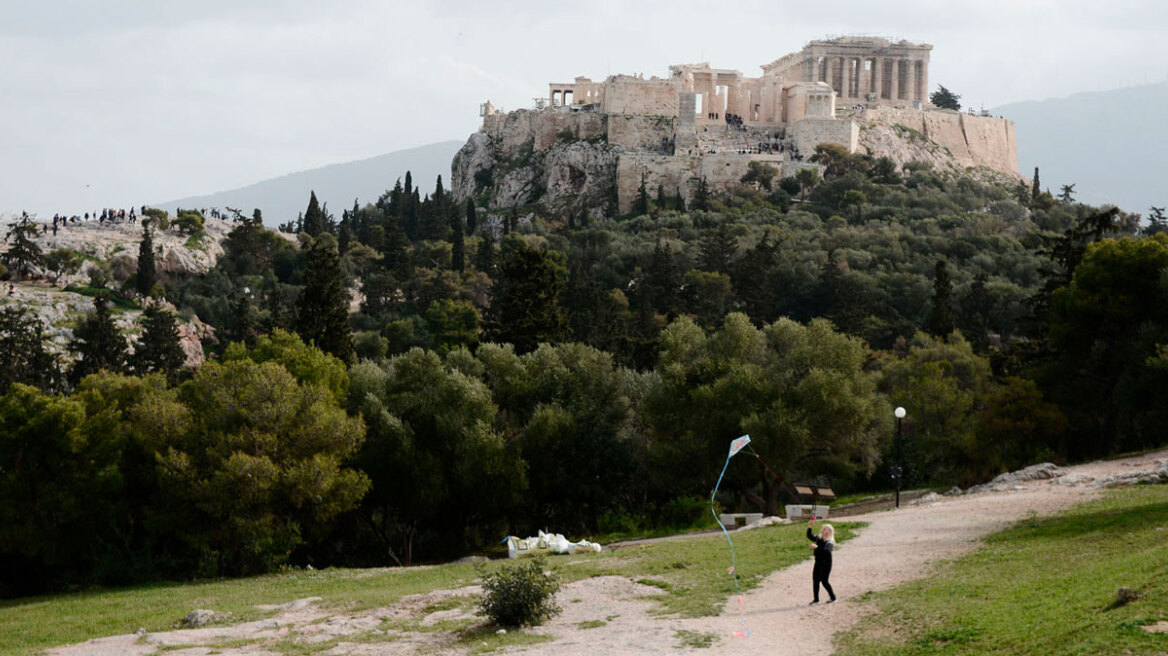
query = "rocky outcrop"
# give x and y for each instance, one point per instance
(560, 162)
(948, 140)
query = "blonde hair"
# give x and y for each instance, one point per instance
(827, 533)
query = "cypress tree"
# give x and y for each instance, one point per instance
(97, 342)
(701, 197)
(23, 357)
(717, 247)
(345, 230)
(484, 259)
(661, 204)
(641, 202)
(525, 300)
(458, 245)
(313, 221)
(322, 309)
(158, 348)
(941, 322)
(147, 272)
(471, 216)
(1034, 188)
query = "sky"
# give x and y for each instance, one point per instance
(118, 103)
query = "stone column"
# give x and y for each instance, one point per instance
(828, 72)
(814, 69)
(910, 81)
(845, 77)
(878, 78)
(924, 81)
(894, 94)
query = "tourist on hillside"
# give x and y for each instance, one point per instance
(823, 544)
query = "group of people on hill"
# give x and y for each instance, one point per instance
(111, 216)
(735, 121)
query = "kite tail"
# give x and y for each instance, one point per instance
(733, 564)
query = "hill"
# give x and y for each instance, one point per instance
(1109, 144)
(282, 198)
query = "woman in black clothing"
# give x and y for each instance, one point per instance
(823, 545)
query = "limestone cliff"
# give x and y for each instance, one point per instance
(117, 245)
(949, 140)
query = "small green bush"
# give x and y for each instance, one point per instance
(520, 595)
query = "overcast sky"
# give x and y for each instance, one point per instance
(114, 103)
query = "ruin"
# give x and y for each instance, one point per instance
(706, 122)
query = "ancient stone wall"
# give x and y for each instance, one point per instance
(682, 173)
(644, 132)
(809, 132)
(630, 95)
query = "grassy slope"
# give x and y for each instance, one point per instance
(693, 572)
(1044, 587)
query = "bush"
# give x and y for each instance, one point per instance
(521, 595)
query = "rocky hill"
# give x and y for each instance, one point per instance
(113, 250)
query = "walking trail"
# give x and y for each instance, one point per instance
(897, 546)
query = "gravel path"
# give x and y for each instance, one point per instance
(611, 616)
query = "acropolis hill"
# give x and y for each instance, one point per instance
(868, 95)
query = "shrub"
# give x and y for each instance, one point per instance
(521, 595)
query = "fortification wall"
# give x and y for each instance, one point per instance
(970, 141)
(648, 132)
(809, 132)
(511, 132)
(636, 96)
(682, 173)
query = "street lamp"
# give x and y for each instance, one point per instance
(897, 472)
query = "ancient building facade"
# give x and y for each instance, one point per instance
(701, 122)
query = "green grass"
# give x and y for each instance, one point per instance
(117, 302)
(1043, 587)
(692, 572)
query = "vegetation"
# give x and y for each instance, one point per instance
(520, 595)
(1014, 595)
(945, 99)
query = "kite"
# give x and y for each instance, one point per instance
(735, 446)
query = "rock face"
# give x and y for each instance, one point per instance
(117, 244)
(949, 140)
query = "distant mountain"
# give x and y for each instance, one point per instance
(283, 198)
(1112, 145)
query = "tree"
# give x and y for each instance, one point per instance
(943, 98)
(23, 253)
(158, 348)
(471, 216)
(458, 244)
(147, 272)
(641, 201)
(1067, 195)
(261, 468)
(453, 325)
(525, 308)
(855, 198)
(97, 342)
(23, 356)
(62, 262)
(314, 219)
(345, 230)
(1157, 222)
(760, 173)
(1035, 188)
(322, 309)
(701, 197)
(717, 248)
(807, 179)
(941, 321)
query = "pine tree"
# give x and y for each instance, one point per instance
(23, 356)
(243, 319)
(23, 253)
(322, 309)
(314, 221)
(941, 322)
(158, 349)
(471, 216)
(147, 272)
(434, 221)
(662, 284)
(97, 342)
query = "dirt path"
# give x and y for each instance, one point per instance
(611, 616)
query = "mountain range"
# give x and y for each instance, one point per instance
(282, 199)
(1110, 144)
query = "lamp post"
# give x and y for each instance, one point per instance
(897, 472)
